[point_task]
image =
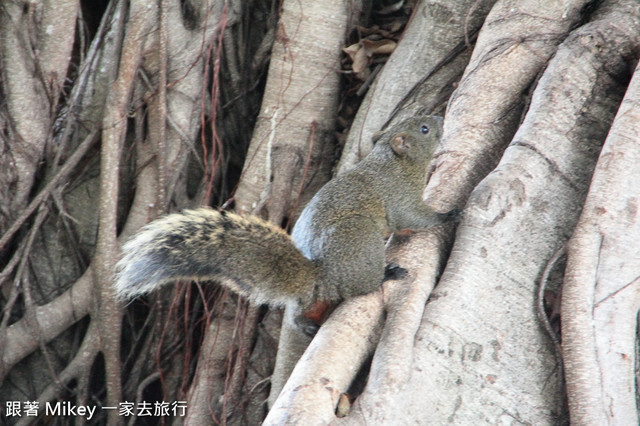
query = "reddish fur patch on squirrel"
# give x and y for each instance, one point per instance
(319, 311)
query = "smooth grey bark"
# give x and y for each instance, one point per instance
(329, 364)
(601, 290)
(493, 362)
(515, 43)
(288, 155)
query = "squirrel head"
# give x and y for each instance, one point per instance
(415, 138)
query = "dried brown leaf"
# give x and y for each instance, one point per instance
(352, 50)
(379, 47)
(360, 64)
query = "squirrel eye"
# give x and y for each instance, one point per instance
(424, 129)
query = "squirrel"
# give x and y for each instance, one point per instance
(336, 250)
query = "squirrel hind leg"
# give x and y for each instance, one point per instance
(352, 259)
(310, 320)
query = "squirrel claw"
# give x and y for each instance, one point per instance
(454, 215)
(393, 271)
(307, 325)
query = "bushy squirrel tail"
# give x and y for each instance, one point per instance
(250, 256)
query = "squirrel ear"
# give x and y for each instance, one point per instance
(400, 144)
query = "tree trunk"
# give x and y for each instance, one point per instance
(601, 294)
(495, 353)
